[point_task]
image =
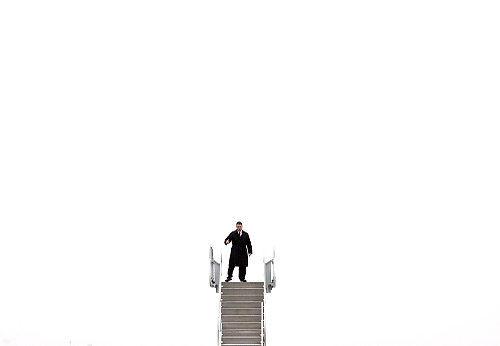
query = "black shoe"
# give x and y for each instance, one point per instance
(243, 280)
(228, 279)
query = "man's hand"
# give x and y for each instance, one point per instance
(227, 241)
(249, 254)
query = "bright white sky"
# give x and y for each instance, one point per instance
(359, 138)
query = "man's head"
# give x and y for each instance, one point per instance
(239, 225)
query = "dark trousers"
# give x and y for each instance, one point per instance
(242, 271)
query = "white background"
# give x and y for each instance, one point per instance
(359, 138)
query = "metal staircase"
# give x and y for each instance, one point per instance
(242, 313)
(241, 319)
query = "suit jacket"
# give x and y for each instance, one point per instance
(239, 255)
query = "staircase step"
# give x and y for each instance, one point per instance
(242, 284)
(230, 304)
(240, 325)
(239, 311)
(241, 340)
(241, 291)
(245, 298)
(241, 318)
(241, 332)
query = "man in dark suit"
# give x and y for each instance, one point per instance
(239, 257)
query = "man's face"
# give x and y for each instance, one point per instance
(238, 227)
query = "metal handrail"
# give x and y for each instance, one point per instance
(215, 282)
(269, 284)
(270, 273)
(263, 330)
(214, 271)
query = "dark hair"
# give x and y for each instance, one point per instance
(239, 223)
